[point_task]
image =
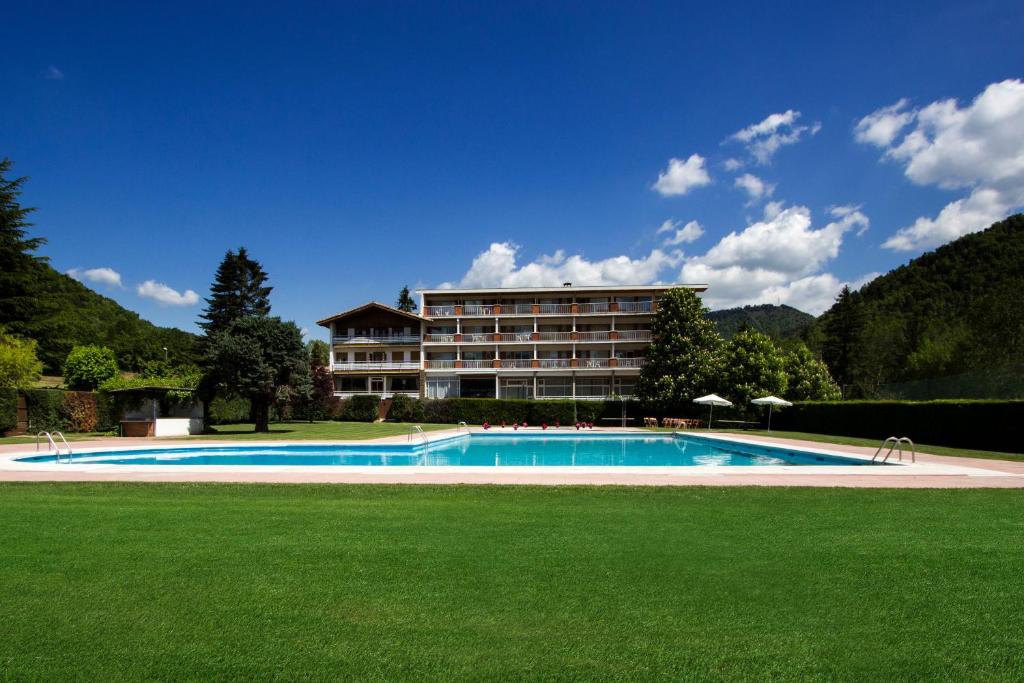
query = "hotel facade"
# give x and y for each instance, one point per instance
(530, 343)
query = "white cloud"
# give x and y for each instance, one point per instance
(776, 260)
(498, 267)
(764, 138)
(165, 296)
(755, 187)
(682, 176)
(53, 74)
(978, 147)
(773, 209)
(690, 232)
(105, 276)
(732, 164)
(881, 127)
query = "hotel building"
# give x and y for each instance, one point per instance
(531, 342)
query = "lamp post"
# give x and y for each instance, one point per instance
(165, 354)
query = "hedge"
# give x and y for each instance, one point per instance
(44, 414)
(361, 408)
(985, 425)
(8, 410)
(495, 411)
(225, 410)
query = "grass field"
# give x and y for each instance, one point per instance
(297, 431)
(122, 581)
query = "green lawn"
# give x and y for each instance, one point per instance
(166, 581)
(352, 431)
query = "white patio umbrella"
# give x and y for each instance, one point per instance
(771, 402)
(712, 400)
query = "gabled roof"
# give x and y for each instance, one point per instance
(373, 304)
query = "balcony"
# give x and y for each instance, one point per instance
(635, 335)
(541, 363)
(636, 307)
(631, 362)
(440, 364)
(516, 363)
(439, 311)
(377, 339)
(554, 363)
(476, 364)
(439, 338)
(514, 337)
(376, 366)
(496, 310)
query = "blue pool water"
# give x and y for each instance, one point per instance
(566, 449)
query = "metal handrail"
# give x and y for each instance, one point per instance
(416, 429)
(896, 444)
(53, 444)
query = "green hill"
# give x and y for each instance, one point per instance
(955, 311)
(780, 322)
(61, 312)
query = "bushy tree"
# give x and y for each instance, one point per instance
(87, 367)
(685, 355)
(318, 351)
(842, 346)
(239, 290)
(754, 367)
(19, 365)
(254, 357)
(809, 378)
(405, 301)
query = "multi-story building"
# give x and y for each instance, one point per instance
(531, 342)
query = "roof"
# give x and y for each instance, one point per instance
(573, 288)
(373, 304)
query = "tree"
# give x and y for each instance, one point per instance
(753, 368)
(238, 291)
(808, 377)
(255, 356)
(16, 260)
(405, 301)
(87, 367)
(19, 366)
(319, 352)
(843, 333)
(685, 355)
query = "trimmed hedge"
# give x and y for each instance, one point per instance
(984, 425)
(495, 411)
(78, 411)
(8, 410)
(361, 408)
(224, 410)
(44, 412)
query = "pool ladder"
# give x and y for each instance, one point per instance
(895, 444)
(53, 444)
(416, 429)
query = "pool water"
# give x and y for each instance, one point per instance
(549, 449)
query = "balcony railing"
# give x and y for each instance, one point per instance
(475, 364)
(555, 336)
(442, 338)
(516, 363)
(377, 339)
(514, 336)
(635, 307)
(631, 362)
(554, 309)
(478, 337)
(597, 307)
(550, 363)
(635, 335)
(366, 365)
(591, 363)
(582, 308)
(440, 364)
(439, 311)
(598, 335)
(517, 309)
(478, 309)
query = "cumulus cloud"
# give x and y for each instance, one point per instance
(53, 74)
(775, 260)
(690, 232)
(764, 138)
(979, 147)
(166, 296)
(104, 276)
(732, 164)
(682, 176)
(498, 267)
(755, 187)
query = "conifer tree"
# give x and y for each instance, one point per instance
(238, 291)
(16, 260)
(405, 301)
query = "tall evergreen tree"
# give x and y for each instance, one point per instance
(685, 355)
(16, 260)
(238, 291)
(405, 301)
(842, 346)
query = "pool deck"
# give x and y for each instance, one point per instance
(930, 471)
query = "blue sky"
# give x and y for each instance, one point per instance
(357, 147)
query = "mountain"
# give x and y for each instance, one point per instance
(779, 322)
(62, 313)
(955, 311)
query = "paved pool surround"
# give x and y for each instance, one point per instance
(930, 471)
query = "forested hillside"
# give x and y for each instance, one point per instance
(956, 310)
(779, 322)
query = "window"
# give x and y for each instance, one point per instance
(554, 387)
(442, 387)
(592, 386)
(350, 385)
(405, 383)
(516, 388)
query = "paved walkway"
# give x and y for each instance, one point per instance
(931, 471)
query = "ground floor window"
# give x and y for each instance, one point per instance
(442, 387)
(350, 385)
(409, 383)
(517, 388)
(592, 386)
(554, 387)
(477, 387)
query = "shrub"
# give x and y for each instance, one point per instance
(362, 408)
(87, 367)
(496, 411)
(78, 411)
(225, 410)
(405, 409)
(44, 410)
(8, 410)
(19, 365)
(986, 425)
(108, 412)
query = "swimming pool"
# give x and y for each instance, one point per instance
(541, 449)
